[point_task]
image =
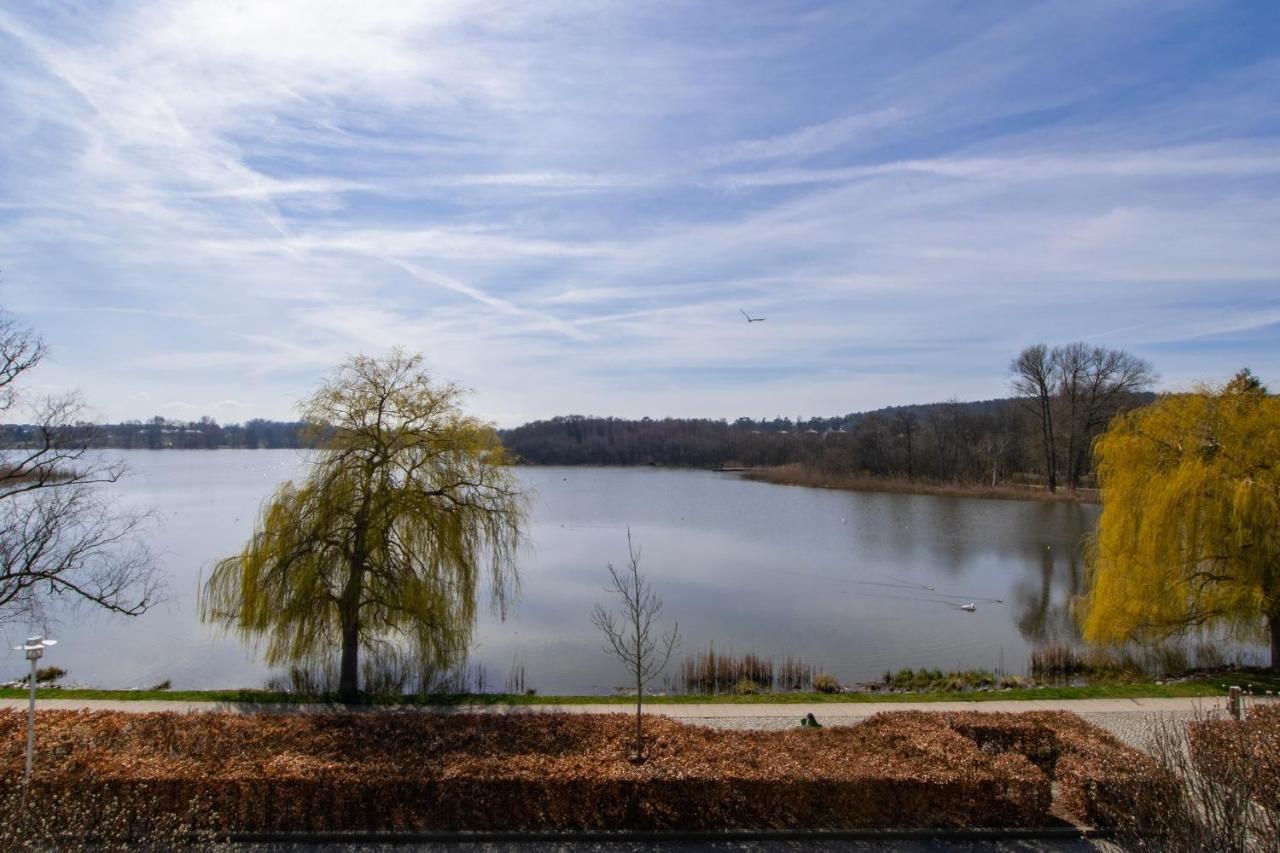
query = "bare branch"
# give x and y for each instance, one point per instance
(60, 537)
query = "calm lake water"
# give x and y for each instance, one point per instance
(835, 578)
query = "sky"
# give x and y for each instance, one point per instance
(205, 206)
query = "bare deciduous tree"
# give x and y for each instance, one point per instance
(631, 636)
(1098, 382)
(910, 425)
(1074, 390)
(1033, 380)
(60, 536)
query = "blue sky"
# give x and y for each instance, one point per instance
(206, 205)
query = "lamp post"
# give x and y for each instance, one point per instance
(34, 647)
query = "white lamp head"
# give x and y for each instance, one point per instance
(35, 646)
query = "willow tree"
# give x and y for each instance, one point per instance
(1189, 537)
(406, 508)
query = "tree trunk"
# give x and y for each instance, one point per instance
(1050, 452)
(1071, 459)
(639, 721)
(349, 674)
(1274, 622)
(349, 612)
(349, 618)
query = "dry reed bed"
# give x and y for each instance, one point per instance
(796, 474)
(411, 771)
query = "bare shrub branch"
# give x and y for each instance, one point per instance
(1228, 778)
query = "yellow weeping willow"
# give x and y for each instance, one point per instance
(405, 507)
(1189, 536)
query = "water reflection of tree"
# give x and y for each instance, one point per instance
(1044, 604)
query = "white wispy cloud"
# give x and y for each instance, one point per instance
(565, 205)
(807, 141)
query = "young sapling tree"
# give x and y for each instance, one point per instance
(631, 635)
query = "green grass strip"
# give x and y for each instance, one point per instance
(1214, 686)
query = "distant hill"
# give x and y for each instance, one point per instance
(953, 441)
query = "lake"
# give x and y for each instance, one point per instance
(838, 579)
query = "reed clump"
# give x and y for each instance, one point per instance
(1057, 662)
(713, 672)
(796, 474)
(908, 679)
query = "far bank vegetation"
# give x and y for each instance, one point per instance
(1029, 445)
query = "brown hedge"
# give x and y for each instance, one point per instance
(1248, 749)
(1101, 781)
(411, 771)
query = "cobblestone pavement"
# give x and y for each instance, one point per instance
(1136, 729)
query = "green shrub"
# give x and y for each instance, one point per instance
(44, 675)
(49, 674)
(979, 678)
(746, 687)
(824, 683)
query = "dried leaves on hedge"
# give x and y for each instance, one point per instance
(412, 771)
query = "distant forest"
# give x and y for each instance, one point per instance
(963, 442)
(162, 434)
(991, 440)
(1066, 397)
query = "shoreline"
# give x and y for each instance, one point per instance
(795, 475)
(1211, 687)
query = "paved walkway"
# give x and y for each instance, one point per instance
(711, 711)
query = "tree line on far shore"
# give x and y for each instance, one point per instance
(159, 433)
(1066, 396)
